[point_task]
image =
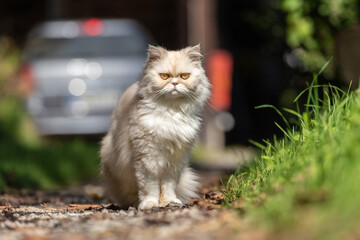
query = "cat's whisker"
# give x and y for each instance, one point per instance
(190, 98)
(157, 94)
(208, 107)
(190, 95)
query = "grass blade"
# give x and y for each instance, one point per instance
(278, 112)
(325, 66)
(285, 133)
(257, 144)
(293, 112)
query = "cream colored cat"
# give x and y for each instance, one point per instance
(145, 155)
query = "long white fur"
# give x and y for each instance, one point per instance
(145, 155)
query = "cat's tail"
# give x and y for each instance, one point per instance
(188, 186)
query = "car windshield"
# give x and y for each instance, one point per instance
(119, 46)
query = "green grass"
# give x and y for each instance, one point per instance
(26, 161)
(50, 166)
(308, 181)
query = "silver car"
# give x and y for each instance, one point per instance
(77, 70)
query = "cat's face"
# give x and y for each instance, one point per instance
(174, 74)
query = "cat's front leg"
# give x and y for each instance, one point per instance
(168, 194)
(149, 191)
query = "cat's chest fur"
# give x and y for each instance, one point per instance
(175, 130)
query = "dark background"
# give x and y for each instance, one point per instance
(260, 75)
(166, 20)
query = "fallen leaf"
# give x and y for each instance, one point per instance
(82, 206)
(4, 203)
(205, 204)
(7, 208)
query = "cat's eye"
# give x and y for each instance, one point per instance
(164, 76)
(185, 75)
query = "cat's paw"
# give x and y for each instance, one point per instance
(148, 203)
(173, 203)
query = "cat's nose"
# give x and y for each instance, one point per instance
(174, 81)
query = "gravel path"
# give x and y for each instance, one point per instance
(75, 214)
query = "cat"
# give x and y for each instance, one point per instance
(145, 155)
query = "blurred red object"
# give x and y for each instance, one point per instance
(26, 83)
(220, 70)
(93, 27)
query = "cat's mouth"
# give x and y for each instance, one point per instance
(174, 92)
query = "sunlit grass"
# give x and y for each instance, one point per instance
(309, 179)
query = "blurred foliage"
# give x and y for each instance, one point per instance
(312, 26)
(9, 62)
(26, 160)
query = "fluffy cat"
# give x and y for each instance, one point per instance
(145, 155)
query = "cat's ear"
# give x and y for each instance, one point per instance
(194, 53)
(155, 53)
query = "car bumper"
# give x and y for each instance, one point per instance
(73, 126)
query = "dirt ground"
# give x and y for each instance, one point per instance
(79, 213)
